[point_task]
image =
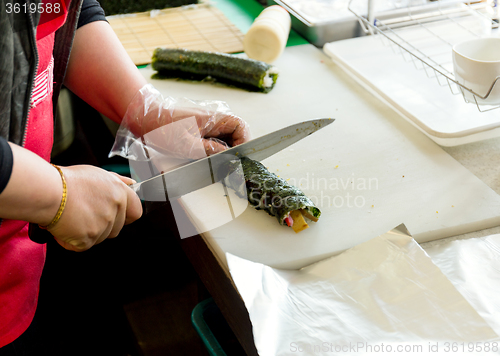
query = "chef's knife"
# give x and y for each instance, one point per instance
(199, 174)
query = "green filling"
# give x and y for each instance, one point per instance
(244, 73)
(268, 192)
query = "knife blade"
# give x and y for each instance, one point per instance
(203, 172)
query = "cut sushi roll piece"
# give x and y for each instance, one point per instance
(244, 73)
(268, 192)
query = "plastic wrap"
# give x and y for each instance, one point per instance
(473, 266)
(382, 296)
(155, 127)
(159, 134)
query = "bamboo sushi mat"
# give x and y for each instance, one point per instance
(197, 27)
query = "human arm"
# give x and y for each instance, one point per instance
(99, 61)
(33, 190)
(101, 72)
(99, 203)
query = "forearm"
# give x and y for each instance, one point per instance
(34, 190)
(98, 202)
(101, 72)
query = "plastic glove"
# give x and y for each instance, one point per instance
(180, 128)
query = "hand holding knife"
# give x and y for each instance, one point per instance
(191, 176)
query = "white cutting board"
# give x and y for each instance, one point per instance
(413, 181)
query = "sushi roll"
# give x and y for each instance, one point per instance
(244, 73)
(266, 191)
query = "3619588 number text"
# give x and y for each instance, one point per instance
(471, 347)
(48, 7)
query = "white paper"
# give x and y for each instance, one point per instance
(386, 290)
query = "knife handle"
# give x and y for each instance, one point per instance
(39, 235)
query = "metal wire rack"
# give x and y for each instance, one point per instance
(424, 33)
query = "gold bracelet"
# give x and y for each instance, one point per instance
(63, 201)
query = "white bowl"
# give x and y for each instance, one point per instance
(476, 64)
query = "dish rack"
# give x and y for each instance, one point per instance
(431, 51)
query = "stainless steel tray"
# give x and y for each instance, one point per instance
(318, 33)
(323, 21)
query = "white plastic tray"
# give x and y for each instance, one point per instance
(445, 118)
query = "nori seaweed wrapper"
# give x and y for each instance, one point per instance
(244, 73)
(268, 192)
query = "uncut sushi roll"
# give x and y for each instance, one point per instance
(268, 192)
(244, 73)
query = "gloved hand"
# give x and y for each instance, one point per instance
(180, 128)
